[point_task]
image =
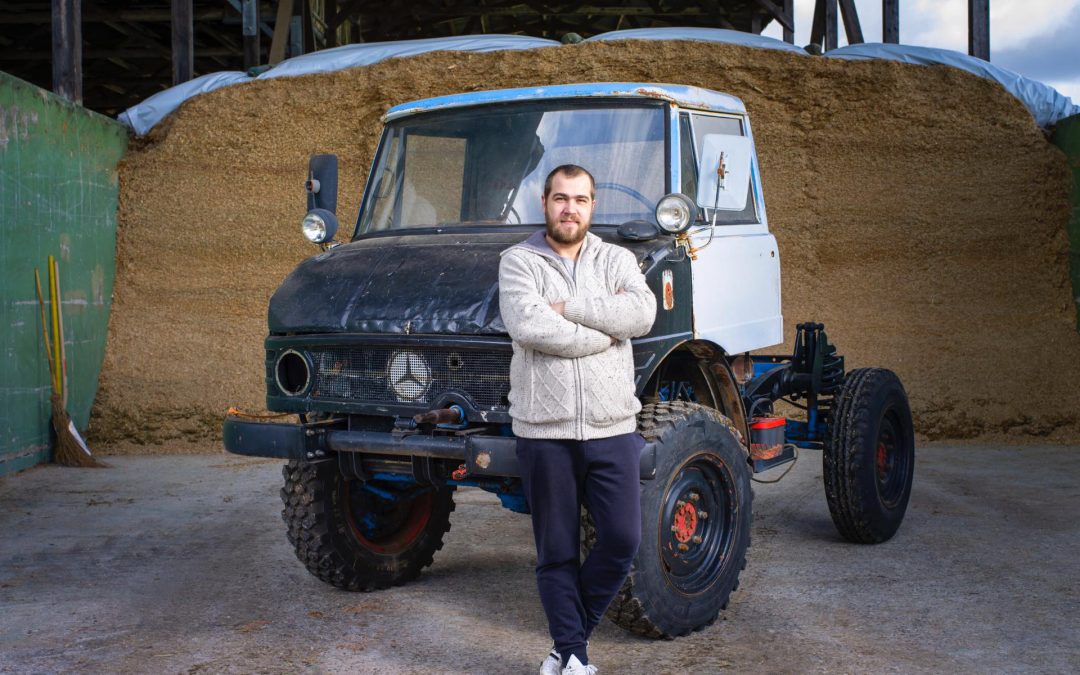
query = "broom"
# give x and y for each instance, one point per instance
(70, 448)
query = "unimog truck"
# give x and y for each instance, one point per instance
(388, 346)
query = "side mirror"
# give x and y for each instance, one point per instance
(724, 172)
(321, 185)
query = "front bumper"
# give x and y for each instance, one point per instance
(481, 455)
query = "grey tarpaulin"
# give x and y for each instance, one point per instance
(1044, 102)
(701, 34)
(143, 116)
(351, 56)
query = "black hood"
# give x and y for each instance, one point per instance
(432, 283)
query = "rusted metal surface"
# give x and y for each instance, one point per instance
(686, 522)
(442, 416)
(680, 95)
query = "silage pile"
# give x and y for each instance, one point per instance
(919, 211)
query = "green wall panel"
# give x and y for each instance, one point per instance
(58, 196)
(1067, 137)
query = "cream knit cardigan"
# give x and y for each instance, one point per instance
(568, 380)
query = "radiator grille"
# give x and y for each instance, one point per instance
(410, 375)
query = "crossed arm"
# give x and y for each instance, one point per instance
(578, 326)
(533, 323)
(629, 313)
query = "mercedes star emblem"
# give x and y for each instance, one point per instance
(409, 375)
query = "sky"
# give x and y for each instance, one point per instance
(1039, 39)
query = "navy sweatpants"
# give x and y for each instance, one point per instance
(558, 477)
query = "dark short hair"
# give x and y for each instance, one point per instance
(570, 171)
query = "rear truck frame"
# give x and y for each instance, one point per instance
(390, 351)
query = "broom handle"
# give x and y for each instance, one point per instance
(57, 383)
(44, 326)
(63, 349)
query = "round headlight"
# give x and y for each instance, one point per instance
(319, 226)
(292, 373)
(675, 212)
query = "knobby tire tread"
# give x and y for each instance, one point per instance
(626, 610)
(310, 530)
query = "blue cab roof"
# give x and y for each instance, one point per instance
(694, 98)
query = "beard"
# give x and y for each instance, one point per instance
(561, 234)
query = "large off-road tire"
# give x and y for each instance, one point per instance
(362, 537)
(869, 456)
(701, 500)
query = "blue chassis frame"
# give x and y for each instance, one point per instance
(809, 434)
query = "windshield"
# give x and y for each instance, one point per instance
(487, 165)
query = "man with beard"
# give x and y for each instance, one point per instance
(571, 303)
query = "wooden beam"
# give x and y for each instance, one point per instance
(332, 23)
(851, 22)
(439, 14)
(789, 11)
(137, 33)
(890, 21)
(121, 63)
(239, 7)
(832, 38)
(226, 39)
(782, 16)
(23, 55)
(817, 27)
(67, 49)
(93, 15)
(979, 29)
(824, 31)
(296, 36)
(307, 19)
(757, 23)
(356, 35)
(249, 29)
(281, 31)
(183, 41)
(342, 13)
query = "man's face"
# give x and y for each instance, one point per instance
(568, 208)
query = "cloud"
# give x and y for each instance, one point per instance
(1015, 23)
(1036, 38)
(1052, 55)
(943, 23)
(1070, 88)
(934, 23)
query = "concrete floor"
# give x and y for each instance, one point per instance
(173, 564)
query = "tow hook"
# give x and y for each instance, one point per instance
(446, 418)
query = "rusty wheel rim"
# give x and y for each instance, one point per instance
(697, 524)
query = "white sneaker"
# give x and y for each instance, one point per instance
(552, 664)
(574, 667)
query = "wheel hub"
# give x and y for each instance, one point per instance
(686, 522)
(383, 521)
(891, 467)
(698, 525)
